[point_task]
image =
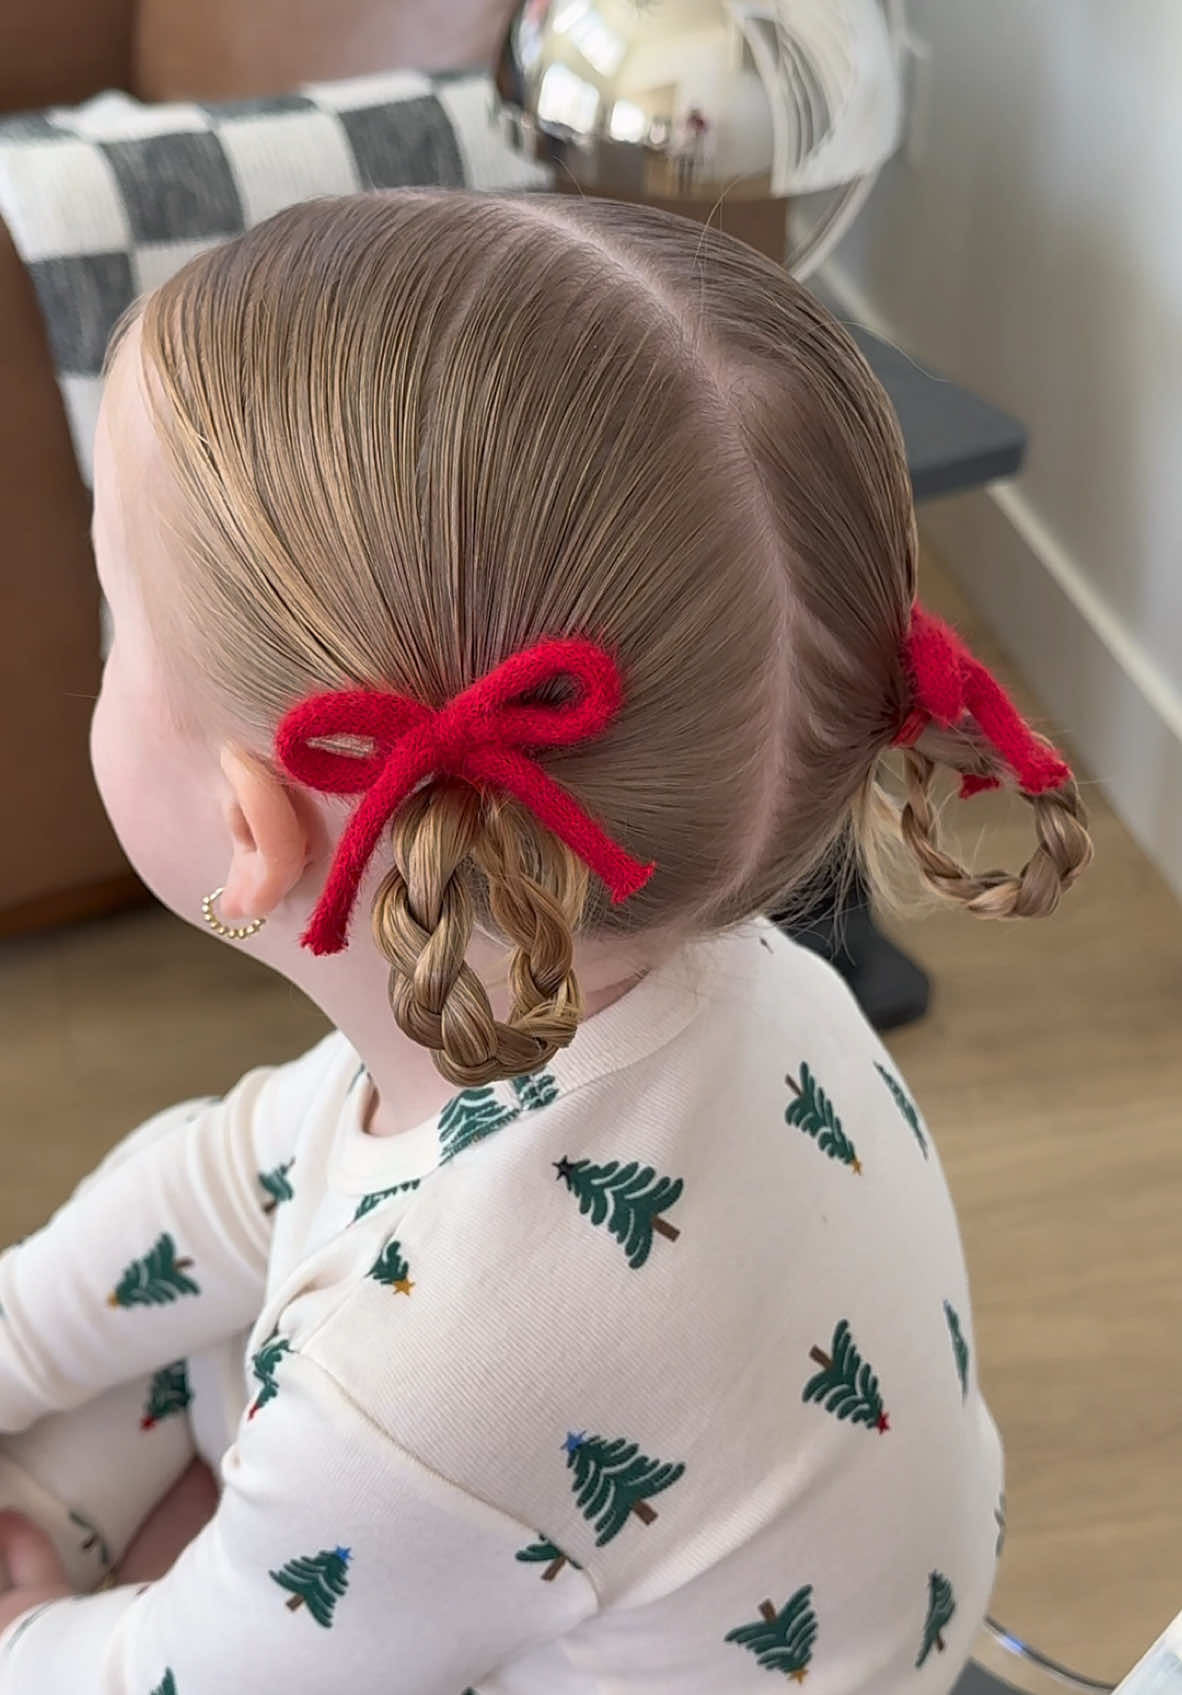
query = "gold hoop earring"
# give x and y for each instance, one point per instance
(235, 932)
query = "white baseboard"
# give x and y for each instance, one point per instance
(1122, 714)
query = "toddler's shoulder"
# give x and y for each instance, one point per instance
(317, 1076)
(759, 972)
(767, 1006)
(297, 1099)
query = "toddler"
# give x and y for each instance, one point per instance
(512, 601)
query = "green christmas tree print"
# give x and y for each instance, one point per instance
(941, 1606)
(168, 1394)
(276, 1185)
(368, 1202)
(782, 1641)
(469, 1117)
(845, 1383)
(264, 1366)
(630, 1198)
(812, 1111)
(905, 1105)
(391, 1269)
(959, 1347)
(168, 1687)
(613, 1480)
(547, 1553)
(317, 1583)
(533, 1093)
(156, 1280)
(92, 1540)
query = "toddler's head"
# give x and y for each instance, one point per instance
(388, 442)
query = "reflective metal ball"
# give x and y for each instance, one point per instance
(664, 101)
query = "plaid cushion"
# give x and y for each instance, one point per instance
(106, 200)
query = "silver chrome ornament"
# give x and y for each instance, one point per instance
(687, 104)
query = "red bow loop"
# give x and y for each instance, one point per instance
(485, 735)
(494, 713)
(363, 715)
(948, 684)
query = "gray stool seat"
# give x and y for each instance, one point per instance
(975, 1680)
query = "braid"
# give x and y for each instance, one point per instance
(540, 923)
(424, 915)
(1064, 848)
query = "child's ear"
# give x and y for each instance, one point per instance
(270, 847)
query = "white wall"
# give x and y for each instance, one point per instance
(1035, 252)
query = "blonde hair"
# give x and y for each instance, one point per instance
(414, 433)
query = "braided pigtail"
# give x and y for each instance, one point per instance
(1063, 851)
(457, 854)
(963, 720)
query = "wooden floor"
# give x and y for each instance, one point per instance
(1051, 1068)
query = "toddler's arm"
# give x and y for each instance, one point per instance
(161, 1252)
(335, 1560)
(90, 1477)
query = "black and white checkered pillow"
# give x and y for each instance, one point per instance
(106, 200)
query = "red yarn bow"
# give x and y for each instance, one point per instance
(481, 735)
(948, 683)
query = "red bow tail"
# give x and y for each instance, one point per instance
(556, 808)
(950, 683)
(328, 928)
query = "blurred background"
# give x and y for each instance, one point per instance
(989, 196)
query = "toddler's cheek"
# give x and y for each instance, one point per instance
(165, 818)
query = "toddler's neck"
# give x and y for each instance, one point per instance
(407, 1089)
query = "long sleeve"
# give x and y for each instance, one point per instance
(325, 1567)
(160, 1252)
